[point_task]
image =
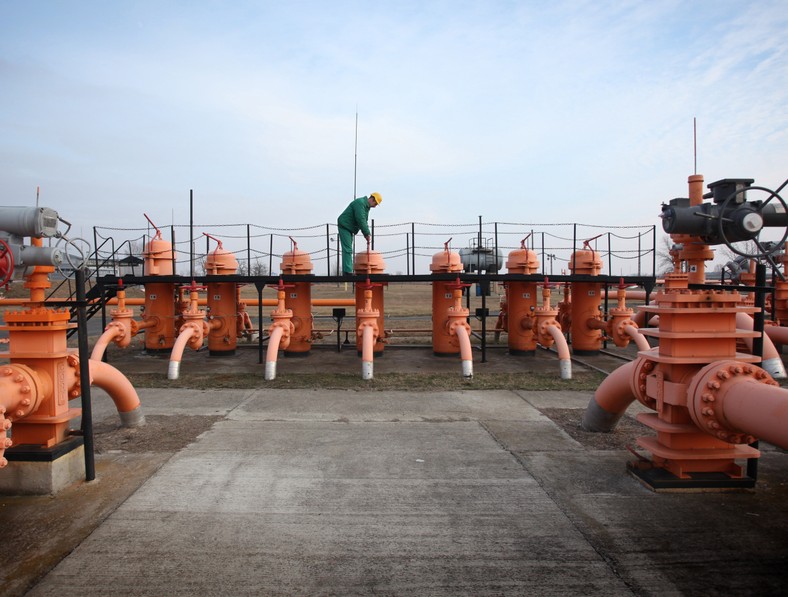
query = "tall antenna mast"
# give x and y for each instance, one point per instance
(695, 141)
(355, 159)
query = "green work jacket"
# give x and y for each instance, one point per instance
(355, 216)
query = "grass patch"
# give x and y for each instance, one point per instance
(582, 380)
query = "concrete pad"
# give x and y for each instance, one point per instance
(342, 405)
(726, 543)
(569, 399)
(298, 507)
(521, 436)
(22, 477)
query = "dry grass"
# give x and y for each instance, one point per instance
(548, 380)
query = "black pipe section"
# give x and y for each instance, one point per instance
(84, 377)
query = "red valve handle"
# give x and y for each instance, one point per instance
(6, 263)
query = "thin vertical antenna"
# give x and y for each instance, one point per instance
(695, 141)
(355, 158)
(38, 190)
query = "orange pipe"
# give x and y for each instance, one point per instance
(273, 351)
(611, 400)
(561, 345)
(466, 353)
(777, 334)
(110, 333)
(758, 409)
(367, 351)
(771, 360)
(637, 337)
(176, 355)
(119, 388)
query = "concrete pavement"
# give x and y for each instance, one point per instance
(303, 492)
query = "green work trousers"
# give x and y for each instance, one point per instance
(346, 241)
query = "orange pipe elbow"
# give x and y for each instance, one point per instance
(177, 351)
(564, 358)
(611, 400)
(119, 388)
(367, 351)
(466, 353)
(273, 351)
(771, 360)
(110, 333)
(640, 340)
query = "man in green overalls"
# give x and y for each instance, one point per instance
(353, 219)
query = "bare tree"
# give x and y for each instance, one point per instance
(258, 268)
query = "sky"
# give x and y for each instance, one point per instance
(515, 111)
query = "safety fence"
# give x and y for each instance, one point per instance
(407, 248)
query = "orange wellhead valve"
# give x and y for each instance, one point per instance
(368, 330)
(279, 332)
(548, 332)
(458, 329)
(620, 326)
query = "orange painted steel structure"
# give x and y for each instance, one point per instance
(299, 300)
(587, 323)
(43, 374)
(223, 308)
(364, 264)
(280, 331)
(521, 301)
(710, 400)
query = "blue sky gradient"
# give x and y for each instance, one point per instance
(515, 111)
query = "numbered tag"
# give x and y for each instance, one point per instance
(152, 297)
(293, 295)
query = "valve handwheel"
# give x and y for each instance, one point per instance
(6, 263)
(762, 253)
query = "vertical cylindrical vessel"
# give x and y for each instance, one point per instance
(445, 262)
(222, 303)
(370, 262)
(521, 302)
(159, 297)
(586, 302)
(299, 300)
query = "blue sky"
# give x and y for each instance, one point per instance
(514, 111)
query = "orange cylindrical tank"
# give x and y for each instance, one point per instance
(299, 300)
(444, 262)
(364, 263)
(521, 301)
(222, 303)
(159, 297)
(586, 302)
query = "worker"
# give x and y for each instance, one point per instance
(350, 221)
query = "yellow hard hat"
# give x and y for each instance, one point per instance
(377, 198)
